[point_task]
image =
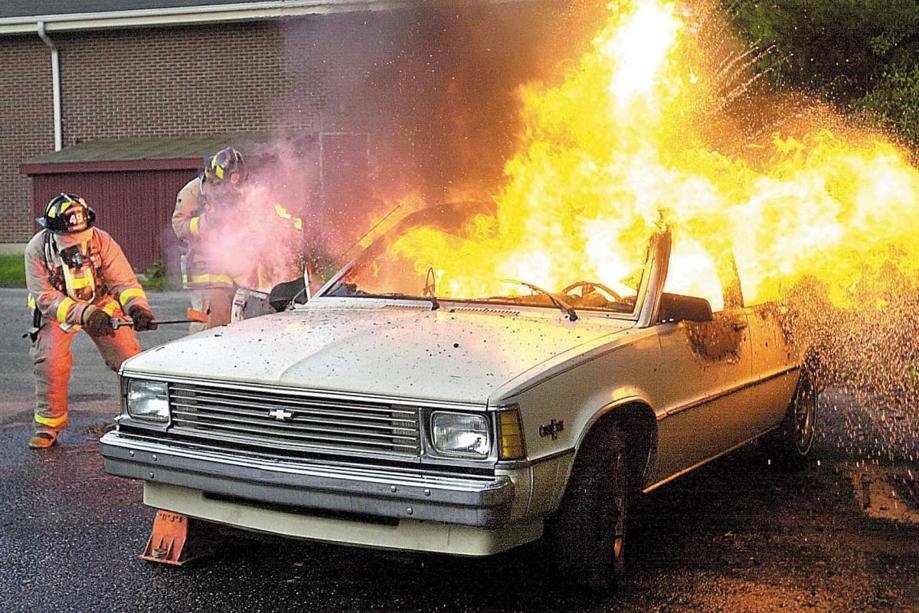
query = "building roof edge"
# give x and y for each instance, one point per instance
(203, 14)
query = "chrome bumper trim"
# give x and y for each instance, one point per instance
(464, 500)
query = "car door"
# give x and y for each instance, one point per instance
(775, 366)
(706, 366)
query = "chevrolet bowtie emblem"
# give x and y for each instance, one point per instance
(281, 414)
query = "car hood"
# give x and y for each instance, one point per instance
(451, 355)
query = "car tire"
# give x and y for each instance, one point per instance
(587, 536)
(790, 446)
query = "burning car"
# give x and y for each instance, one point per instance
(402, 409)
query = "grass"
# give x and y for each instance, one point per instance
(154, 278)
(12, 271)
(153, 285)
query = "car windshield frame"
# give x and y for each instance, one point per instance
(323, 293)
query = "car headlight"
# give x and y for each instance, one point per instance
(460, 434)
(148, 400)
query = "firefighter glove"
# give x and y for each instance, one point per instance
(143, 319)
(98, 323)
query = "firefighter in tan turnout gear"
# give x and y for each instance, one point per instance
(78, 278)
(201, 208)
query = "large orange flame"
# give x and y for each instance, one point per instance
(619, 146)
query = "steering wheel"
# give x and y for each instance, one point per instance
(588, 287)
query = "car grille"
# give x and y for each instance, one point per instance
(285, 421)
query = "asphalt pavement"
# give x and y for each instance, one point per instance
(737, 534)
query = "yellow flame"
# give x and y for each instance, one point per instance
(619, 146)
(639, 50)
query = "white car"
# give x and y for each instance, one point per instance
(386, 416)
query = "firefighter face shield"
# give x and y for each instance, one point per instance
(147, 400)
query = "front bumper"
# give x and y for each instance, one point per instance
(480, 501)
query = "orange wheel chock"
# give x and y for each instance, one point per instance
(168, 540)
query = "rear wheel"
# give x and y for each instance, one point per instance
(587, 537)
(791, 445)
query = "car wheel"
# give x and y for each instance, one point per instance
(587, 537)
(791, 445)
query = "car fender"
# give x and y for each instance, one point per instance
(632, 406)
(550, 474)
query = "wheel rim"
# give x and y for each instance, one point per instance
(805, 415)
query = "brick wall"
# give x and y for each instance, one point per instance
(172, 81)
(26, 128)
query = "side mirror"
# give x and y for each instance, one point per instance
(676, 308)
(283, 294)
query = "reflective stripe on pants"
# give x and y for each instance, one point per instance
(52, 361)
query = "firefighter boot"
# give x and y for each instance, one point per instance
(42, 439)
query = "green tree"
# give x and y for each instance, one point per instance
(862, 55)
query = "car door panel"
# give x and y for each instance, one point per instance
(707, 366)
(775, 366)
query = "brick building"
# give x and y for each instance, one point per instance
(122, 98)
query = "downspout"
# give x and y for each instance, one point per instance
(55, 83)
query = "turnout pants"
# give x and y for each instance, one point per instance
(52, 360)
(217, 302)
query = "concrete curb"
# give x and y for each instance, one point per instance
(12, 248)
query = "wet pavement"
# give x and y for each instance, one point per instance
(737, 534)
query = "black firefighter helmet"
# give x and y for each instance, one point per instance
(67, 214)
(225, 165)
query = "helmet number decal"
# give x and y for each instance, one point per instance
(76, 220)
